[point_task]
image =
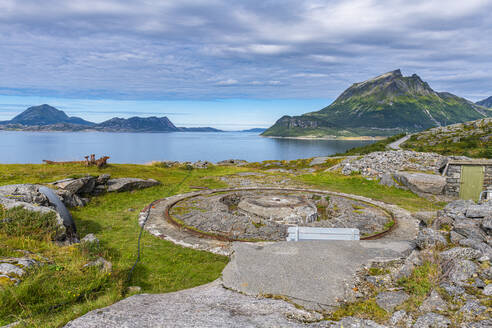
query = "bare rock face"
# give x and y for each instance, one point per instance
(83, 185)
(432, 320)
(429, 238)
(128, 184)
(433, 303)
(421, 182)
(27, 193)
(390, 300)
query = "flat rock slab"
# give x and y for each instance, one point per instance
(209, 305)
(315, 274)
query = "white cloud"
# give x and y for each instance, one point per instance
(186, 48)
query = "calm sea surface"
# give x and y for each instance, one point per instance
(33, 147)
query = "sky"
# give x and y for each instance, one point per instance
(231, 64)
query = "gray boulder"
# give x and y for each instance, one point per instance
(70, 199)
(462, 270)
(28, 193)
(10, 269)
(478, 245)
(84, 185)
(471, 310)
(433, 303)
(488, 290)
(128, 184)
(100, 263)
(479, 211)
(89, 239)
(432, 320)
(388, 180)
(389, 300)
(421, 182)
(470, 229)
(486, 225)
(478, 324)
(429, 238)
(102, 179)
(461, 253)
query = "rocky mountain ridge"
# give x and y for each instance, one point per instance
(385, 105)
(486, 102)
(48, 118)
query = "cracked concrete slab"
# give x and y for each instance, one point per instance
(314, 274)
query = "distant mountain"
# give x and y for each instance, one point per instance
(48, 118)
(200, 129)
(137, 124)
(385, 105)
(486, 102)
(258, 130)
(45, 115)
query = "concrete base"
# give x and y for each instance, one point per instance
(314, 274)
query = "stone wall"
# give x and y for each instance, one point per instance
(453, 179)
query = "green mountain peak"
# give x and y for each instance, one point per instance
(384, 105)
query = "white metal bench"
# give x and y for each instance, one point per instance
(315, 233)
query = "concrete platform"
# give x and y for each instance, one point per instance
(314, 274)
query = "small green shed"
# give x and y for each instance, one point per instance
(466, 179)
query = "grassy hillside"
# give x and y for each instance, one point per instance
(472, 139)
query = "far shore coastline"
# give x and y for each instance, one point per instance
(360, 138)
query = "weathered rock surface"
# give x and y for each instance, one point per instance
(384, 162)
(84, 185)
(429, 238)
(12, 269)
(204, 306)
(461, 271)
(127, 184)
(433, 303)
(432, 320)
(100, 263)
(390, 300)
(471, 310)
(421, 182)
(460, 253)
(90, 239)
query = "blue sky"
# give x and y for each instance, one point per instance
(229, 63)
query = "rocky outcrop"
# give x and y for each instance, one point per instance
(73, 191)
(377, 164)
(128, 184)
(13, 269)
(421, 182)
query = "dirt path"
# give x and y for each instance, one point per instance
(396, 144)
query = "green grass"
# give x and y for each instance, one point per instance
(54, 294)
(367, 309)
(422, 279)
(60, 291)
(358, 185)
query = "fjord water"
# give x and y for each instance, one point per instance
(33, 147)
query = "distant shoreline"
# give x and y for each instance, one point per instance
(360, 138)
